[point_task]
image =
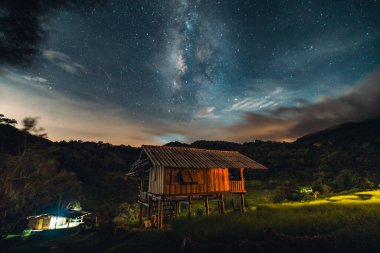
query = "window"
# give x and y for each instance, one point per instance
(186, 176)
(189, 176)
(174, 177)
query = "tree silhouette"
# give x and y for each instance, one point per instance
(30, 126)
(6, 121)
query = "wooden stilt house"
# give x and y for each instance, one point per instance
(169, 175)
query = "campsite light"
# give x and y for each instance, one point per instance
(53, 221)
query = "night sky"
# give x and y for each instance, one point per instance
(143, 72)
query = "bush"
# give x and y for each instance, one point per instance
(307, 197)
(128, 214)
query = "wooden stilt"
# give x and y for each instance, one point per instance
(160, 214)
(242, 203)
(140, 214)
(149, 208)
(222, 203)
(141, 183)
(177, 204)
(207, 207)
(242, 179)
(189, 206)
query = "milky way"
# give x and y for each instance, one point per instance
(155, 71)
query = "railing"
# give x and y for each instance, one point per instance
(143, 196)
(237, 186)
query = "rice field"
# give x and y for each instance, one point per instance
(361, 198)
(352, 221)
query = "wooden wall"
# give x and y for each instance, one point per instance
(212, 180)
(156, 180)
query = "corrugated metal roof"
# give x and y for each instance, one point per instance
(180, 157)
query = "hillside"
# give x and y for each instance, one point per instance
(332, 160)
(57, 173)
(348, 134)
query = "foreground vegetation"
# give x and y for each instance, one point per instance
(37, 175)
(349, 223)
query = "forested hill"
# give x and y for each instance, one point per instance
(350, 146)
(337, 158)
(38, 175)
(348, 134)
(81, 157)
(56, 173)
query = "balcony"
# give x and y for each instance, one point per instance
(143, 197)
(236, 186)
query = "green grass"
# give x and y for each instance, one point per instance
(294, 220)
(352, 221)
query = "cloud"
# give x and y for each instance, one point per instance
(313, 53)
(35, 79)
(169, 137)
(66, 118)
(206, 112)
(64, 62)
(255, 103)
(21, 26)
(286, 123)
(290, 122)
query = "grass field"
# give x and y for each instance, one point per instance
(350, 223)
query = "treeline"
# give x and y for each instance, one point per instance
(37, 175)
(333, 160)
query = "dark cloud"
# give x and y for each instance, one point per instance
(21, 26)
(286, 123)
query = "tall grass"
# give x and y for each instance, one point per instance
(355, 224)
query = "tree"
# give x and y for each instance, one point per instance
(6, 121)
(30, 126)
(33, 183)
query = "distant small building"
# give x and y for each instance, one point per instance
(169, 175)
(306, 190)
(57, 220)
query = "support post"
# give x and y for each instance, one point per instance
(189, 206)
(140, 214)
(149, 214)
(160, 214)
(222, 203)
(177, 203)
(141, 183)
(242, 203)
(218, 204)
(207, 206)
(242, 179)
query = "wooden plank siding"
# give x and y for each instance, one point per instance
(209, 181)
(156, 180)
